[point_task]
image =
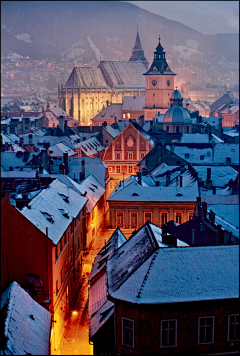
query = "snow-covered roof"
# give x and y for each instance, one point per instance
(220, 175)
(12, 159)
(216, 139)
(173, 275)
(231, 133)
(109, 113)
(94, 191)
(115, 241)
(159, 118)
(112, 132)
(196, 137)
(133, 103)
(45, 210)
(59, 149)
(227, 216)
(18, 174)
(93, 165)
(57, 111)
(39, 140)
(133, 253)
(27, 324)
(90, 147)
(136, 192)
(100, 317)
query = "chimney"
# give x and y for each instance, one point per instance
(168, 176)
(115, 119)
(41, 169)
(61, 122)
(8, 130)
(157, 184)
(180, 181)
(83, 168)
(204, 209)
(81, 177)
(51, 165)
(164, 229)
(211, 216)
(10, 168)
(193, 237)
(65, 125)
(214, 190)
(30, 139)
(21, 142)
(170, 240)
(65, 161)
(61, 169)
(141, 119)
(139, 175)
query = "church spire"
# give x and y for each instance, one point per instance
(138, 53)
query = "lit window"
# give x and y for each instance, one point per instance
(178, 217)
(128, 116)
(163, 218)
(109, 169)
(130, 156)
(233, 327)
(206, 330)
(124, 116)
(130, 170)
(128, 332)
(168, 333)
(133, 220)
(147, 217)
(118, 170)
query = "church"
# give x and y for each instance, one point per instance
(89, 89)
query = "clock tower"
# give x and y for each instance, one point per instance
(159, 85)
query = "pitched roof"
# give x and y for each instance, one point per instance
(173, 275)
(219, 102)
(46, 209)
(27, 324)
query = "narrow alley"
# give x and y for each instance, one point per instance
(75, 340)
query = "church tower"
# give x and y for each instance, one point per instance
(138, 53)
(159, 85)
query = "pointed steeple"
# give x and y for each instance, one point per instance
(159, 64)
(138, 53)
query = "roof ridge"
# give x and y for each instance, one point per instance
(146, 275)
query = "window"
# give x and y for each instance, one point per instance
(61, 245)
(167, 128)
(109, 169)
(147, 217)
(177, 129)
(168, 333)
(106, 141)
(130, 156)
(190, 215)
(118, 156)
(118, 170)
(187, 129)
(119, 218)
(130, 170)
(128, 116)
(163, 218)
(111, 185)
(62, 276)
(124, 116)
(65, 268)
(233, 327)
(187, 155)
(128, 332)
(133, 219)
(202, 157)
(56, 253)
(206, 330)
(142, 155)
(178, 217)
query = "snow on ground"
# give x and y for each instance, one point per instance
(24, 37)
(95, 49)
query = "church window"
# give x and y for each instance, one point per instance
(153, 94)
(130, 155)
(168, 83)
(154, 69)
(124, 116)
(128, 115)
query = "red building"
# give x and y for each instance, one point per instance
(41, 248)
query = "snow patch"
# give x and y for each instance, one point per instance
(192, 44)
(24, 37)
(98, 54)
(12, 55)
(185, 52)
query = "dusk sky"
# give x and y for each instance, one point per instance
(207, 17)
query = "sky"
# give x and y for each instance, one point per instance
(207, 17)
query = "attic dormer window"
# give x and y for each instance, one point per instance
(48, 217)
(179, 195)
(64, 197)
(135, 194)
(154, 69)
(64, 213)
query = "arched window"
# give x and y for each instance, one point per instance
(177, 129)
(187, 129)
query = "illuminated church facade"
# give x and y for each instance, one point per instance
(89, 89)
